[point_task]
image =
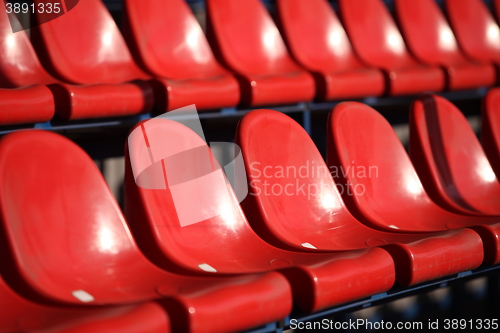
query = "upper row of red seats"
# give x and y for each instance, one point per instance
(93, 73)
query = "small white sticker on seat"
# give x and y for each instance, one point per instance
(207, 268)
(83, 296)
(309, 246)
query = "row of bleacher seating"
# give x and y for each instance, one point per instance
(66, 247)
(169, 63)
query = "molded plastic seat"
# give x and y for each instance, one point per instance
(21, 315)
(294, 203)
(182, 56)
(450, 160)
(23, 98)
(194, 224)
(490, 128)
(431, 40)
(66, 242)
(378, 42)
(246, 40)
(394, 199)
(98, 61)
(318, 42)
(476, 30)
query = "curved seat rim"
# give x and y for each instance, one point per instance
(455, 191)
(438, 218)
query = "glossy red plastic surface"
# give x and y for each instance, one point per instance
(69, 244)
(431, 40)
(318, 42)
(294, 203)
(20, 69)
(362, 137)
(449, 159)
(26, 105)
(378, 42)
(393, 198)
(85, 47)
(19, 314)
(182, 56)
(98, 55)
(214, 244)
(475, 28)
(102, 100)
(19, 64)
(490, 128)
(245, 38)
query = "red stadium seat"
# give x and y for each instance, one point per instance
(294, 203)
(66, 242)
(450, 160)
(318, 42)
(182, 56)
(23, 98)
(246, 40)
(393, 200)
(490, 128)
(21, 315)
(378, 42)
(85, 47)
(431, 40)
(193, 223)
(476, 30)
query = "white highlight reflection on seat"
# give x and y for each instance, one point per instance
(309, 246)
(207, 268)
(83, 296)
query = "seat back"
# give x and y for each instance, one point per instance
(63, 228)
(315, 35)
(245, 38)
(360, 139)
(293, 201)
(374, 34)
(427, 32)
(180, 205)
(84, 46)
(475, 28)
(490, 128)
(292, 194)
(20, 314)
(449, 159)
(19, 64)
(167, 39)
